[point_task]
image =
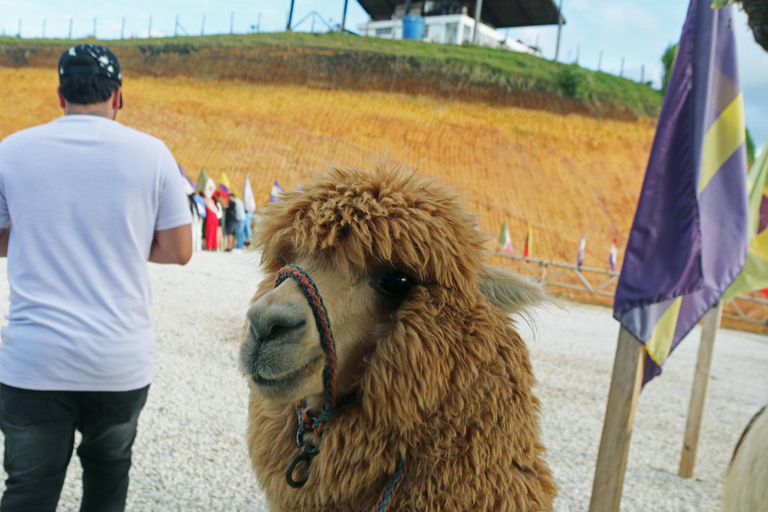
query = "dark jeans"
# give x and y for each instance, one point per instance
(39, 429)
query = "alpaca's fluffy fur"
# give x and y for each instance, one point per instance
(449, 383)
(746, 484)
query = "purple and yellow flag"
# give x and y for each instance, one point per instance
(690, 236)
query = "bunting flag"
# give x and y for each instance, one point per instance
(201, 181)
(189, 186)
(528, 243)
(276, 191)
(505, 240)
(582, 246)
(248, 198)
(690, 236)
(225, 186)
(612, 256)
(755, 273)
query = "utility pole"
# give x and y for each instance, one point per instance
(149, 29)
(202, 27)
(478, 9)
(621, 73)
(343, 17)
(232, 23)
(44, 28)
(559, 28)
(258, 24)
(290, 17)
(176, 27)
(122, 29)
(70, 28)
(94, 28)
(600, 60)
(313, 22)
(578, 49)
(642, 74)
(19, 27)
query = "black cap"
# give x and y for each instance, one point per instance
(90, 59)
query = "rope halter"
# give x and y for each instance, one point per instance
(308, 421)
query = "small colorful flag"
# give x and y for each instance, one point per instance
(201, 181)
(528, 243)
(755, 273)
(248, 199)
(690, 236)
(225, 186)
(582, 246)
(189, 185)
(505, 240)
(276, 191)
(612, 256)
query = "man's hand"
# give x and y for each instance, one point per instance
(5, 235)
(170, 245)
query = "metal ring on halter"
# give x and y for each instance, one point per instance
(301, 457)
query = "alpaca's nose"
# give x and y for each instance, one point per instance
(284, 322)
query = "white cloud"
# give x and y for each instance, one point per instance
(625, 13)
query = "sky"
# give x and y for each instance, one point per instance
(636, 31)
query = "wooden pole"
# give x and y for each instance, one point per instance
(559, 28)
(619, 416)
(699, 392)
(478, 10)
(290, 17)
(343, 17)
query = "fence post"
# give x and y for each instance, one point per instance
(699, 392)
(619, 416)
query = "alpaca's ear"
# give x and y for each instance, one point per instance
(510, 292)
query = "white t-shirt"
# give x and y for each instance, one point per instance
(83, 195)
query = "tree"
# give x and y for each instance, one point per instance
(668, 62)
(757, 14)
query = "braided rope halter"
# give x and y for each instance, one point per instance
(311, 422)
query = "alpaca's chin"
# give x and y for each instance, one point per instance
(293, 385)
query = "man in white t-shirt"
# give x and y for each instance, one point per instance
(85, 202)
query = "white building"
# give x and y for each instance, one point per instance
(447, 29)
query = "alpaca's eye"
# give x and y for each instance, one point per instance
(395, 284)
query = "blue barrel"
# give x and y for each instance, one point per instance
(413, 27)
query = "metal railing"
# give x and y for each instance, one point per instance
(601, 282)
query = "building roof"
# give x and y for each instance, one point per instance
(497, 13)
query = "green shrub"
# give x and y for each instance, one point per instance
(575, 82)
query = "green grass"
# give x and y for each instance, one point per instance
(479, 64)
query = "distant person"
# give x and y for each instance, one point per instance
(211, 224)
(199, 238)
(240, 217)
(77, 350)
(231, 221)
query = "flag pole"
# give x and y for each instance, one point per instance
(701, 376)
(626, 382)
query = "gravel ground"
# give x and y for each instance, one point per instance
(190, 454)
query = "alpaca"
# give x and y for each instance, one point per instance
(407, 336)
(746, 482)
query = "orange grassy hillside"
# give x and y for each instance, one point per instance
(563, 174)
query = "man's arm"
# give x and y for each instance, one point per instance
(5, 235)
(169, 245)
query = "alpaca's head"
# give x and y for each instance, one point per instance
(375, 244)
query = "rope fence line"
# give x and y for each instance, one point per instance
(603, 282)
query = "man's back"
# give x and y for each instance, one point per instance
(84, 196)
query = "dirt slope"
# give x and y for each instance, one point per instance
(564, 174)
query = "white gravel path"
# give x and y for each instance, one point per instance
(190, 454)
